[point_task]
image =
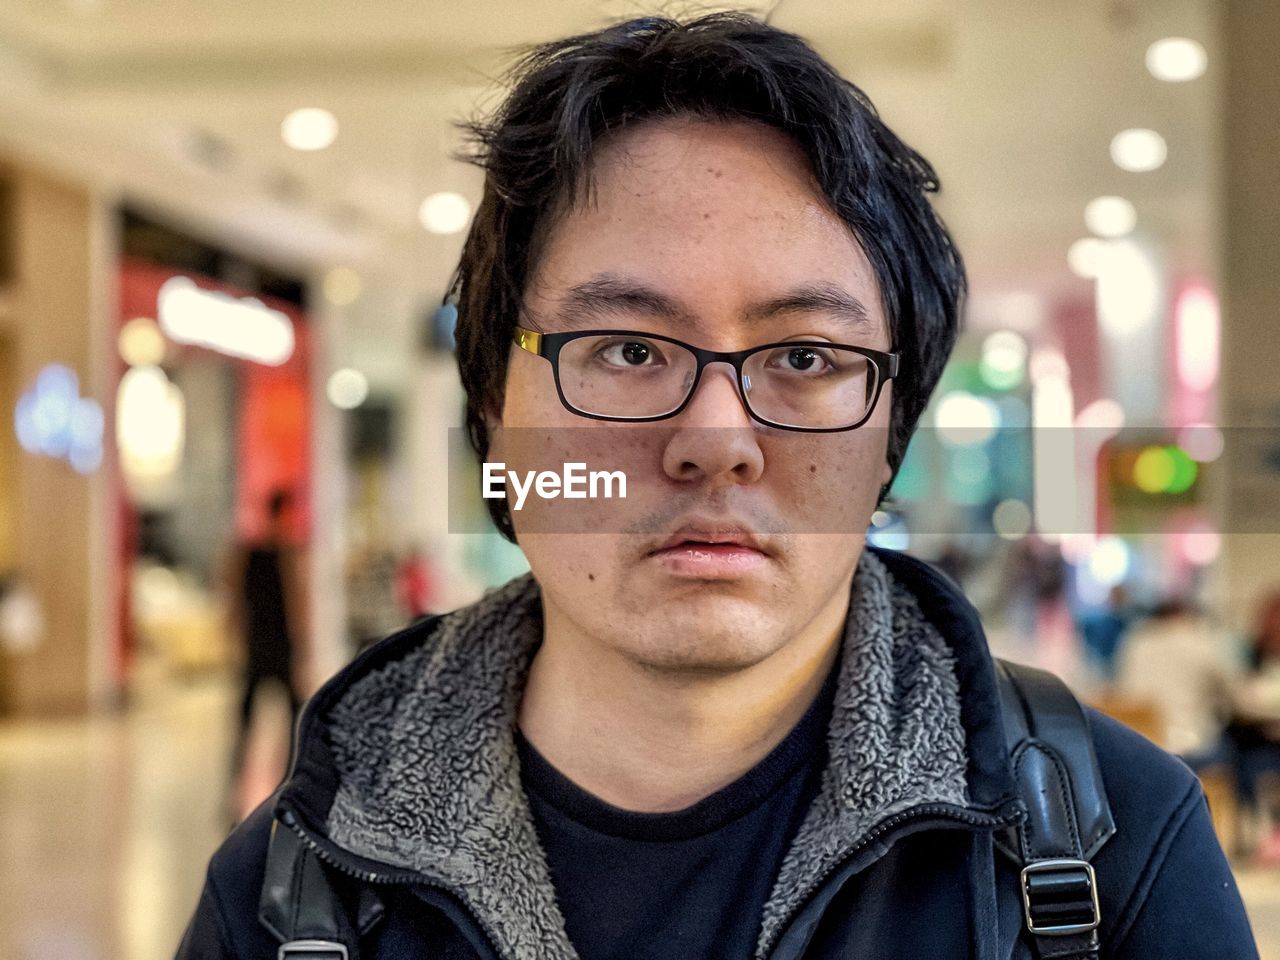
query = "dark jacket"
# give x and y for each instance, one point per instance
(403, 785)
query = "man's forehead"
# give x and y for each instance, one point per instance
(701, 148)
(691, 220)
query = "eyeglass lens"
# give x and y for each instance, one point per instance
(628, 376)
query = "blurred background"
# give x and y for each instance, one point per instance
(226, 233)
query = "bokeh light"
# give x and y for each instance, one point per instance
(309, 129)
(966, 420)
(445, 213)
(1138, 150)
(1011, 519)
(1110, 216)
(347, 388)
(1176, 59)
(141, 343)
(1004, 360)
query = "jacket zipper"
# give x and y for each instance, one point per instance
(387, 878)
(942, 811)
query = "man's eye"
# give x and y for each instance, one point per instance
(800, 360)
(630, 353)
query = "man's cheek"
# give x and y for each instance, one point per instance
(577, 480)
(571, 564)
(831, 481)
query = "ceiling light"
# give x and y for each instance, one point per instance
(1138, 150)
(311, 128)
(445, 212)
(1110, 216)
(1176, 59)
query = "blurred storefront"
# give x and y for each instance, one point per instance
(212, 417)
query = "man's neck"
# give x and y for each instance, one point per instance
(649, 741)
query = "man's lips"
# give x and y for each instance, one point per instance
(706, 552)
(715, 540)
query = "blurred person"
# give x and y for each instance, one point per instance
(266, 600)
(1254, 731)
(700, 728)
(1177, 661)
(1103, 631)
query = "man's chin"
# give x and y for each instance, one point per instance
(710, 635)
(705, 658)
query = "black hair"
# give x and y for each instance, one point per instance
(536, 151)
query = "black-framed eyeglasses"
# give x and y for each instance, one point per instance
(627, 375)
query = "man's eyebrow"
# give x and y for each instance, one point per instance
(817, 297)
(610, 294)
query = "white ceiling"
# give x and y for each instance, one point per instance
(1014, 102)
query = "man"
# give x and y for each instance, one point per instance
(711, 724)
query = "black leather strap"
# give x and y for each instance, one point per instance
(1068, 815)
(298, 903)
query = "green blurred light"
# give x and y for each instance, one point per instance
(1185, 470)
(1000, 379)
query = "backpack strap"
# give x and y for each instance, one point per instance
(1068, 816)
(298, 903)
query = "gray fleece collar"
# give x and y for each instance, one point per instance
(429, 776)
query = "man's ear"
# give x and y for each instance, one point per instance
(492, 414)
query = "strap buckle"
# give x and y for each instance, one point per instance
(1060, 897)
(312, 950)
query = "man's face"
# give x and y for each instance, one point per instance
(715, 234)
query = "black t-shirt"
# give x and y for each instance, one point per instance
(676, 886)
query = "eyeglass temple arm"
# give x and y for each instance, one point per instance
(528, 340)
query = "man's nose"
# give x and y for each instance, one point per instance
(714, 437)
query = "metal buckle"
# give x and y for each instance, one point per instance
(312, 950)
(1060, 897)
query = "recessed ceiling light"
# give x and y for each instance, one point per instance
(311, 128)
(445, 212)
(1138, 150)
(1110, 216)
(1176, 59)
